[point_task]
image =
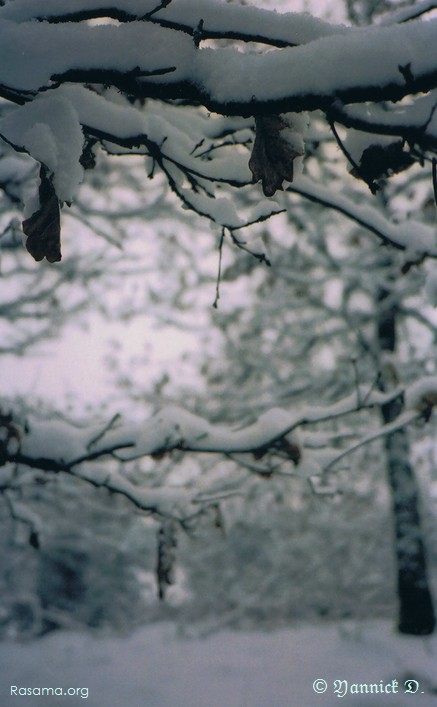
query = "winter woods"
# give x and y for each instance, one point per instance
(297, 153)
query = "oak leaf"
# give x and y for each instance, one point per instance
(273, 153)
(380, 161)
(43, 228)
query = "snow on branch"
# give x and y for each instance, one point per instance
(219, 20)
(412, 236)
(139, 81)
(59, 445)
(149, 60)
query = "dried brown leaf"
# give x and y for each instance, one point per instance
(380, 161)
(272, 154)
(43, 228)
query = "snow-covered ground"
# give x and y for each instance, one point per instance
(156, 667)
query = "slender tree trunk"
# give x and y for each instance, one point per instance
(416, 611)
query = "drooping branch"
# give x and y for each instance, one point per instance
(399, 236)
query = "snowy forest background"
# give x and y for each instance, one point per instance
(218, 330)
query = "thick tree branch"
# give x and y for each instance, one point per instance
(241, 23)
(308, 77)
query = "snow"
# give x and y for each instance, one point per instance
(217, 16)
(421, 392)
(98, 112)
(415, 237)
(159, 668)
(320, 67)
(32, 53)
(406, 13)
(173, 427)
(41, 128)
(332, 62)
(53, 439)
(416, 115)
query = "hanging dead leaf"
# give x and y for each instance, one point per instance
(381, 161)
(10, 438)
(34, 539)
(88, 157)
(43, 228)
(166, 556)
(273, 153)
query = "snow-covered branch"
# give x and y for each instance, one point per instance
(147, 60)
(139, 81)
(58, 446)
(414, 237)
(55, 446)
(219, 20)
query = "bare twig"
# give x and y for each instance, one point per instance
(349, 157)
(102, 433)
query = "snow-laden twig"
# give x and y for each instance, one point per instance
(411, 236)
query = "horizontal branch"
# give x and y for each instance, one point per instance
(220, 101)
(58, 446)
(371, 65)
(219, 21)
(395, 123)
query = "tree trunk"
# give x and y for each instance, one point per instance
(416, 611)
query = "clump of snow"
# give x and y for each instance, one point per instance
(106, 115)
(48, 129)
(54, 439)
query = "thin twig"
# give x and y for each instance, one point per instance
(349, 157)
(162, 5)
(102, 433)
(261, 257)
